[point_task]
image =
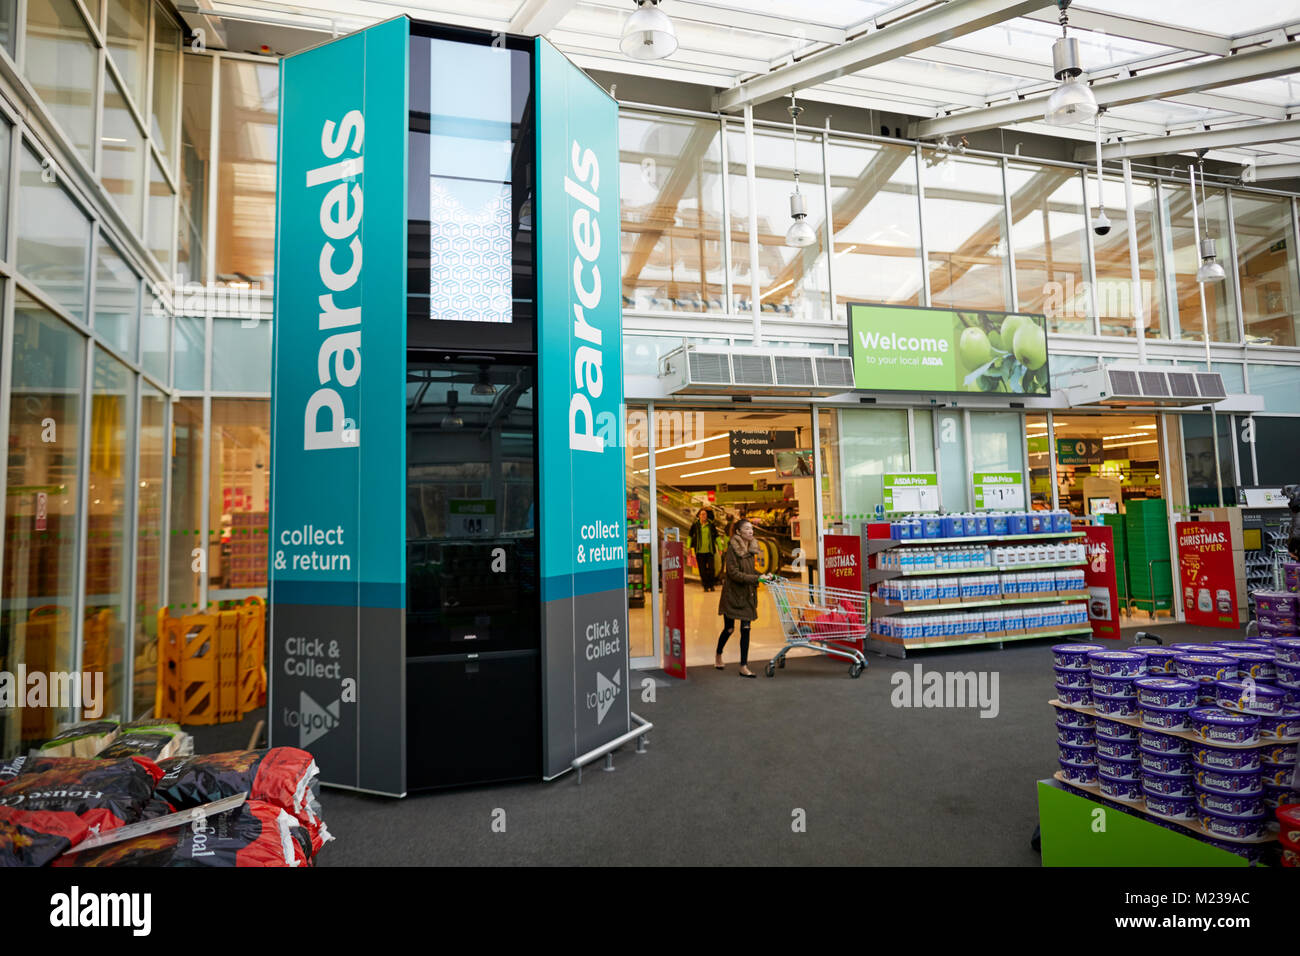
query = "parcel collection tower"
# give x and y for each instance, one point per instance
(447, 505)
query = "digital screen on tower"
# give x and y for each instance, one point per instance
(913, 349)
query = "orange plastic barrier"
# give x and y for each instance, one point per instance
(210, 668)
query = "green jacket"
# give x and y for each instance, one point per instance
(739, 598)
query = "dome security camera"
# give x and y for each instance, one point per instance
(1100, 224)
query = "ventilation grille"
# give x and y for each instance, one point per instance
(1123, 383)
(1211, 385)
(793, 370)
(835, 372)
(752, 369)
(709, 368)
(1153, 384)
(1182, 384)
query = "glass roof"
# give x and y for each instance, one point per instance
(723, 43)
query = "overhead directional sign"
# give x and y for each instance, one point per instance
(1079, 451)
(750, 449)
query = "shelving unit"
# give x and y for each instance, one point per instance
(898, 647)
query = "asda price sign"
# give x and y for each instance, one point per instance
(909, 349)
(999, 490)
(914, 491)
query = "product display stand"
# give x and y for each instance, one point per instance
(898, 647)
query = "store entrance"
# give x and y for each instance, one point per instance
(731, 465)
(1105, 461)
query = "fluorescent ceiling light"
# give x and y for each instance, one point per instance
(709, 471)
(763, 471)
(691, 462)
(698, 441)
(1129, 444)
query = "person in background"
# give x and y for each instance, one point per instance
(739, 600)
(703, 536)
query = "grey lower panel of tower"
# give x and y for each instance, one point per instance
(338, 691)
(586, 675)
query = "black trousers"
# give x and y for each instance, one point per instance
(704, 559)
(729, 625)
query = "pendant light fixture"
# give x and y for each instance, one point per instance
(1100, 224)
(451, 421)
(648, 33)
(1210, 270)
(484, 385)
(800, 234)
(1071, 102)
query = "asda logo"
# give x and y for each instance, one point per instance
(893, 342)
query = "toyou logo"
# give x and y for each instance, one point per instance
(607, 692)
(312, 720)
(77, 909)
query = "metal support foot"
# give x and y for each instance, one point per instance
(609, 762)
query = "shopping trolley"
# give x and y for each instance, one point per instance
(817, 616)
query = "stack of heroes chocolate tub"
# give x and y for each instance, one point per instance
(1199, 737)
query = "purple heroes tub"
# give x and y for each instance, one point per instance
(1081, 755)
(1238, 645)
(1191, 648)
(1219, 726)
(1287, 650)
(1231, 804)
(1225, 758)
(1278, 774)
(1079, 696)
(1115, 730)
(1074, 718)
(1119, 767)
(1116, 663)
(1113, 686)
(1116, 749)
(1279, 795)
(1079, 773)
(1257, 665)
(1073, 655)
(1130, 791)
(1163, 743)
(1166, 718)
(1228, 781)
(1240, 828)
(1166, 691)
(1249, 698)
(1107, 705)
(1153, 761)
(1074, 736)
(1286, 673)
(1175, 808)
(1205, 667)
(1278, 754)
(1073, 676)
(1285, 724)
(1160, 660)
(1169, 784)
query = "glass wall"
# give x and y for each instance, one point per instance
(1038, 443)
(117, 299)
(1050, 242)
(195, 169)
(121, 155)
(1185, 259)
(965, 231)
(876, 222)
(996, 442)
(246, 172)
(1114, 291)
(238, 500)
(53, 237)
(187, 555)
(61, 63)
(1199, 453)
(671, 199)
(149, 543)
(871, 442)
(37, 628)
(1266, 268)
(108, 578)
(954, 476)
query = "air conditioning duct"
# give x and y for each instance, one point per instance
(720, 370)
(1155, 386)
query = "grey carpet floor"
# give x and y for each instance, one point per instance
(729, 763)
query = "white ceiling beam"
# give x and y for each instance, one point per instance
(1250, 135)
(1177, 81)
(1135, 28)
(537, 17)
(1264, 171)
(756, 22)
(898, 39)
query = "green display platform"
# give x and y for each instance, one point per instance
(1069, 827)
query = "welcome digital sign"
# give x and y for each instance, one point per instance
(912, 349)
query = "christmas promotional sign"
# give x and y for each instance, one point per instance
(1205, 573)
(843, 561)
(1099, 579)
(674, 596)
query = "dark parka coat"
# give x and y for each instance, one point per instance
(739, 597)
